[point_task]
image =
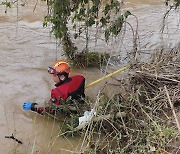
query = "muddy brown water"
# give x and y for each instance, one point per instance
(27, 49)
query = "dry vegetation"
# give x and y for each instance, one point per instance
(150, 106)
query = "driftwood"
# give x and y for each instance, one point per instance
(99, 118)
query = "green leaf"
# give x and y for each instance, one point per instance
(103, 21)
(82, 11)
(74, 26)
(94, 9)
(8, 4)
(96, 2)
(113, 30)
(90, 22)
(107, 34)
(127, 13)
(120, 20)
(107, 9)
(75, 36)
(85, 1)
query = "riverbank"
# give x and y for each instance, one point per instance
(150, 97)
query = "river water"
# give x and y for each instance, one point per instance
(27, 49)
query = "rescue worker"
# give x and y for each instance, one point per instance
(65, 87)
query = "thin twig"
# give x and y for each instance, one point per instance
(172, 108)
(12, 137)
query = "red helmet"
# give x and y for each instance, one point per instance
(59, 66)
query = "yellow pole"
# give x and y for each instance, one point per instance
(107, 76)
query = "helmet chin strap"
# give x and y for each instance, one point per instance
(60, 80)
(64, 74)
